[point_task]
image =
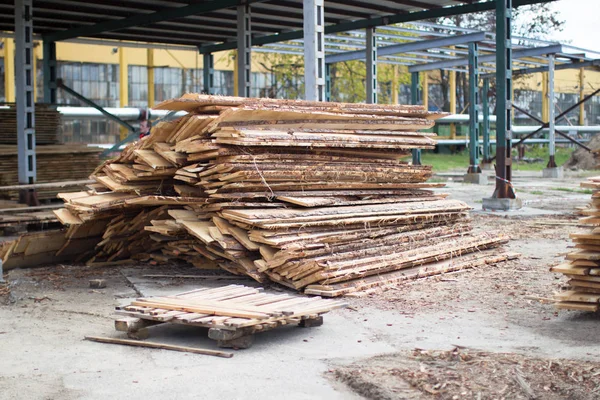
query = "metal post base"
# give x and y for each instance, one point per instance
(487, 166)
(553, 173)
(495, 204)
(476, 178)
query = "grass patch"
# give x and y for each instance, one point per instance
(570, 190)
(446, 162)
(537, 192)
(561, 156)
(460, 161)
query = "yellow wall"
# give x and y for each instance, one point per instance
(565, 81)
(102, 54)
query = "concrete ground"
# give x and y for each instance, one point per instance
(497, 309)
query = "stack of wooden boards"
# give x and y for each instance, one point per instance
(582, 266)
(318, 197)
(230, 312)
(55, 163)
(47, 124)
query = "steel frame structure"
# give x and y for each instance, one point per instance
(272, 22)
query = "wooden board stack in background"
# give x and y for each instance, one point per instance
(47, 123)
(55, 163)
(315, 196)
(582, 266)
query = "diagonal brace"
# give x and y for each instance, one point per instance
(60, 84)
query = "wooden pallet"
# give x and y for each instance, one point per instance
(232, 314)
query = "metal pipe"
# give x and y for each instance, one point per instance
(124, 113)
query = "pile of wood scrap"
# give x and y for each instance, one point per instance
(582, 266)
(233, 313)
(319, 197)
(55, 163)
(47, 124)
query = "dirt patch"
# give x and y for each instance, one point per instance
(4, 293)
(583, 159)
(466, 374)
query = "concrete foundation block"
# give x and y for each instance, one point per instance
(476, 179)
(487, 166)
(494, 204)
(244, 342)
(553, 173)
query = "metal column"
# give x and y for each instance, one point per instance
(371, 59)
(327, 82)
(414, 99)
(581, 96)
(208, 70)
(244, 46)
(503, 109)
(486, 120)
(551, 113)
(425, 90)
(473, 109)
(25, 84)
(49, 71)
(314, 49)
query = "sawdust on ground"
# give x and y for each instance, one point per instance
(465, 374)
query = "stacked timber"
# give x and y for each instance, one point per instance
(318, 197)
(55, 163)
(47, 123)
(582, 266)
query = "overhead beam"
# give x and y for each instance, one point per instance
(521, 53)
(146, 19)
(409, 47)
(583, 64)
(370, 23)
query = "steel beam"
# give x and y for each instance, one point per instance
(410, 47)
(167, 14)
(521, 53)
(371, 59)
(208, 70)
(50, 71)
(83, 99)
(504, 58)
(314, 49)
(25, 85)
(372, 22)
(473, 110)
(414, 99)
(244, 47)
(486, 120)
(583, 64)
(551, 114)
(327, 82)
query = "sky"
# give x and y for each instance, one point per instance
(582, 23)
